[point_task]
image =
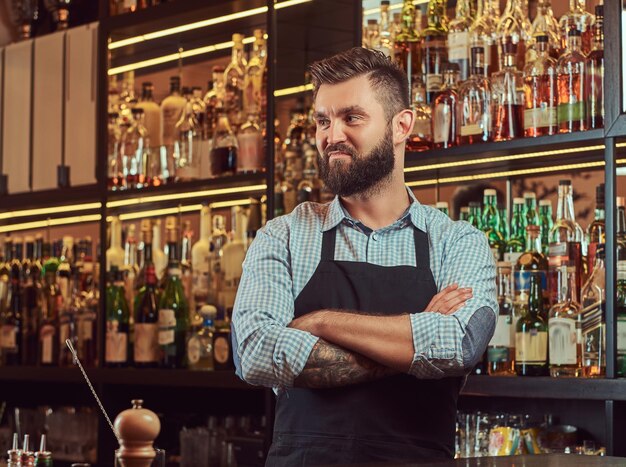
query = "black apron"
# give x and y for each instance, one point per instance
(398, 418)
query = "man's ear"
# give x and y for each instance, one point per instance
(402, 125)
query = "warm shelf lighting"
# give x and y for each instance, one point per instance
(187, 195)
(293, 90)
(395, 6)
(50, 223)
(230, 204)
(49, 210)
(179, 210)
(201, 24)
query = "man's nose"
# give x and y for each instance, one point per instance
(336, 132)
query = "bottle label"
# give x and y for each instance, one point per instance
(458, 46)
(498, 354)
(540, 117)
(64, 333)
(531, 347)
(512, 257)
(563, 341)
(433, 82)
(46, 337)
(621, 334)
(596, 99)
(8, 337)
(593, 318)
(573, 112)
(502, 336)
(558, 254)
(146, 342)
(193, 350)
(116, 343)
(472, 129)
(221, 351)
(85, 326)
(250, 155)
(442, 119)
(167, 326)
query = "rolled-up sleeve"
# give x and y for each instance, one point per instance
(268, 352)
(451, 345)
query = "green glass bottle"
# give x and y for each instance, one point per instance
(531, 214)
(464, 213)
(491, 222)
(546, 221)
(443, 207)
(517, 235)
(474, 215)
(504, 223)
(531, 335)
(118, 322)
(174, 308)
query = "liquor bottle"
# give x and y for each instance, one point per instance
(564, 327)
(218, 239)
(540, 90)
(43, 457)
(233, 254)
(386, 41)
(144, 165)
(152, 116)
(186, 242)
(371, 39)
(513, 28)
(255, 221)
(310, 188)
(490, 222)
(234, 76)
(87, 322)
(33, 297)
(594, 320)
(214, 98)
(517, 234)
(621, 318)
(475, 215)
(200, 253)
(200, 344)
(115, 166)
(130, 269)
(531, 335)
(115, 253)
(571, 86)
(250, 154)
(458, 38)
(508, 97)
(158, 255)
(11, 320)
(64, 271)
(288, 185)
(173, 308)
(504, 227)
(501, 352)
(48, 321)
(531, 215)
(580, 19)
(475, 101)
(565, 239)
(445, 117)
(117, 322)
(532, 261)
(443, 207)
(595, 74)
(224, 149)
(544, 24)
(188, 142)
(596, 231)
(421, 135)
(406, 46)
(172, 108)
(434, 49)
(483, 33)
(146, 343)
(222, 348)
(68, 320)
(545, 222)
(464, 213)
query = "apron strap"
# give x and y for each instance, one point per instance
(328, 245)
(422, 254)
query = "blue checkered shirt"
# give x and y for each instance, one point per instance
(285, 253)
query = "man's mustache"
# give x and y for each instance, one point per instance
(339, 147)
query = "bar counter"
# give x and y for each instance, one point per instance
(547, 460)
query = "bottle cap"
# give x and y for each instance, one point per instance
(529, 194)
(208, 311)
(442, 204)
(489, 192)
(620, 201)
(565, 182)
(518, 200)
(464, 208)
(451, 67)
(543, 38)
(372, 21)
(573, 32)
(545, 202)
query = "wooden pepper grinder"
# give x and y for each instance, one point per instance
(137, 428)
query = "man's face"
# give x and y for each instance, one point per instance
(353, 137)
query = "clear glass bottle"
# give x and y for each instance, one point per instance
(544, 24)
(152, 116)
(421, 135)
(172, 107)
(501, 349)
(564, 327)
(596, 231)
(115, 166)
(406, 45)
(310, 188)
(117, 322)
(540, 90)
(219, 238)
(514, 28)
(115, 252)
(595, 74)
(224, 150)
(250, 154)
(594, 320)
(386, 41)
(532, 261)
(214, 99)
(434, 48)
(508, 98)
(579, 18)
(483, 33)
(234, 77)
(546, 222)
(158, 255)
(372, 34)
(200, 344)
(531, 335)
(475, 101)
(254, 74)
(188, 142)
(571, 86)
(445, 115)
(459, 38)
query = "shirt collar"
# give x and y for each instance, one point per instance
(337, 213)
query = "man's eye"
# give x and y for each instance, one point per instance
(352, 118)
(323, 122)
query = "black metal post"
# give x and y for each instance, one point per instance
(272, 40)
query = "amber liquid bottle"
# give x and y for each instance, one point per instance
(540, 90)
(571, 81)
(445, 119)
(595, 75)
(508, 96)
(434, 48)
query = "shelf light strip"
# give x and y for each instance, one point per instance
(201, 24)
(50, 210)
(395, 6)
(50, 223)
(187, 195)
(181, 209)
(293, 90)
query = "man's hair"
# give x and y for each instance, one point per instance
(387, 79)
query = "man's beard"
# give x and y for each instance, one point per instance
(364, 174)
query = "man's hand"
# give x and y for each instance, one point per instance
(309, 322)
(449, 300)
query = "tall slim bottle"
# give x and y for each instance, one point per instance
(158, 255)
(490, 222)
(540, 90)
(115, 253)
(386, 41)
(531, 335)
(152, 117)
(188, 142)
(545, 222)
(421, 136)
(594, 320)
(596, 231)
(595, 74)
(483, 33)
(459, 38)
(475, 101)
(406, 46)
(544, 24)
(117, 323)
(434, 47)
(11, 320)
(234, 76)
(446, 122)
(508, 97)
(200, 253)
(33, 298)
(532, 261)
(571, 86)
(530, 209)
(172, 108)
(48, 321)
(501, 349)
(579, 18)
(517, 234)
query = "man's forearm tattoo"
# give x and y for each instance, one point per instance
(331, 366)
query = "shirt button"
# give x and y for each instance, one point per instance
(375, 237)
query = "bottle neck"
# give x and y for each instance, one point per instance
(567, 284)
(450, 80)
(437, 15)
(573, 43)
(577, 5)
(509, 61)
(205, 224)
(533, 242)
(599, 213)
(172, 255)
(535, 298)
(463, 9)
(490, 200)
(175, 88)
(480, 8)
(147, 253)
(237, 55)
(116, 234)
(565, 206)
(147, 94)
